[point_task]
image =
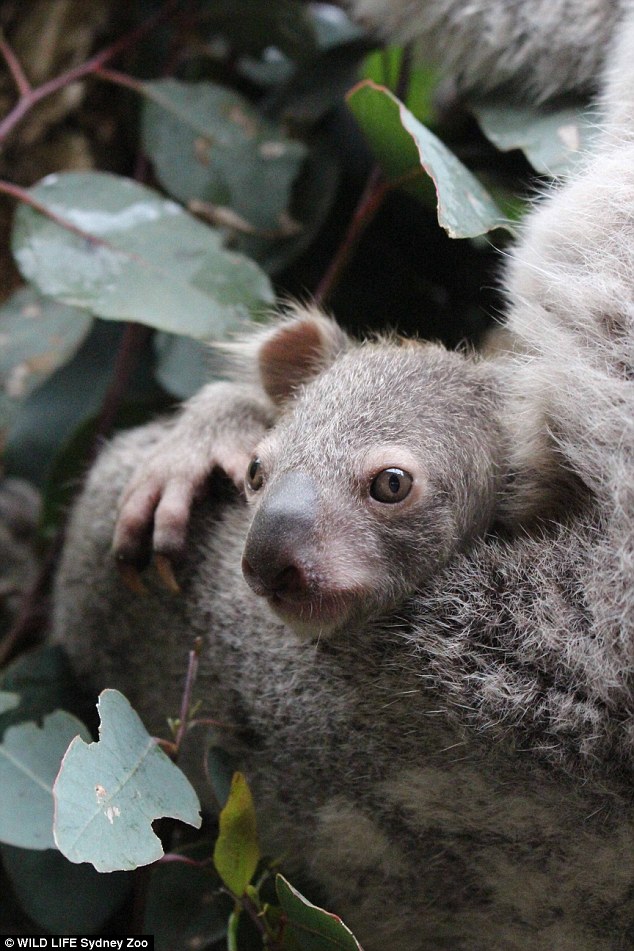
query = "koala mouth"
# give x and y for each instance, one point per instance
(313, 611)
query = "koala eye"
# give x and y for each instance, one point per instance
(255, 478)
(391, 485)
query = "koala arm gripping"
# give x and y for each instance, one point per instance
(217, 429)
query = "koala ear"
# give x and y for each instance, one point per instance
(297, 345)
(301, 344)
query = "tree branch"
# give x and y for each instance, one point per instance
(30, 97)
(15, 67)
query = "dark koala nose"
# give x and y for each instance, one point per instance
(275, 549)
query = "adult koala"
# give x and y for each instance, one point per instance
(458, 775)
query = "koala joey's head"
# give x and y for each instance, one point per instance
(385, 462)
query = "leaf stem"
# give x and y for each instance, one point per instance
(169, 857)
(120, 79)
(232, 929)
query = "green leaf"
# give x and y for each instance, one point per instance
(237, 852)
(182, 364)
(107, 794)
(29, 761)
(384, 66)
(37, 335)
(62, 897)
(133, 256)
(310, 927)
(185, 906)
(312, 200)
(407, 150)
(48, 419)
(8, 701)
(208, 143)
(553, 141)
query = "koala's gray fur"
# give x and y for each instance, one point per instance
(539, 49)
(460, 756)
(459, 774)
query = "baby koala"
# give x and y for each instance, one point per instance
(387, 458)
(402, 710)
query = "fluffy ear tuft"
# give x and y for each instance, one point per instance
(302, 344)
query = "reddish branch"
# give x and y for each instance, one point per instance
(376, 190)
(30, 96)
(15, 68)
(371, 200)
(25, 196)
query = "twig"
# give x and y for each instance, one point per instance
(185, 860)
(120, 79)
(186, 702)
(134, 340)
(15, 67)
(21, 194)
(30, 97)
(374, 193)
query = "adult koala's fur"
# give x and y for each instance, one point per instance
(458, 775)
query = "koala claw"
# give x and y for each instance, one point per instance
(165, 572)
(131, 577)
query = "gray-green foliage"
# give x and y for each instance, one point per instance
(107, 794)
(120, 251)
(30, 757)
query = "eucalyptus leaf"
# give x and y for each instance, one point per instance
(552, 140)
(47, 419)
(310, 93)
(123, 252)
(8, 701)
(62, 897)
(313, 198)
(237, 852)
(107, 794)
(182, 364)
(333, 27)
(208, 143)
(29, 761)
(37, 335)
(186, 906)
(408, 152)
(310, 927)
(383, 67)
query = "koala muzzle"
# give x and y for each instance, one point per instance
(274, 559)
